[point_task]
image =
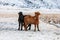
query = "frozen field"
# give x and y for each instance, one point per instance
(9, 26)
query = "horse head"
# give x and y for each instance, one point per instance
(20, 13)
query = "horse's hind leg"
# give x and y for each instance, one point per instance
(29, 26)
(38, 27)
(19, 26)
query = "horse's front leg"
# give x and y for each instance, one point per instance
(19, 26)
(25, 27)
(38, 27)
(35, 28)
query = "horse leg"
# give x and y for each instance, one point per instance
(38, 27)
(35, 28)
(29, 26)
(25, 27)
(19, 26)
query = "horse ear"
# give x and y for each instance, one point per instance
(38, 13)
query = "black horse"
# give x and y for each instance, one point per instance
(21, 21)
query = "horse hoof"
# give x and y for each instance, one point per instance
(21, 29)
(34, 30)
(29, 29)
(18, 29)
(38, 30)
(25, 30)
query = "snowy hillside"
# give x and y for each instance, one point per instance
(44, 4)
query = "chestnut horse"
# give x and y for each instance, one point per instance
(21, 21)
(32, 20)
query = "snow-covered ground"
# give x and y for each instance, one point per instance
(9, 26)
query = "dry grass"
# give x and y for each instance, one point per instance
(8, 15)
(51, 17)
